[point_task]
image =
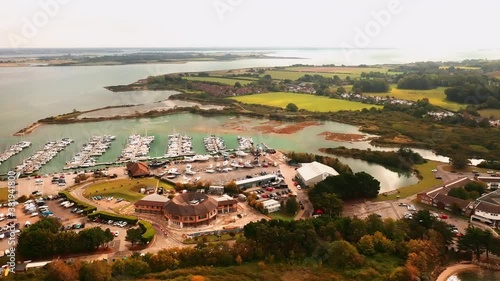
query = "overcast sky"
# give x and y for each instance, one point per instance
(413, 24)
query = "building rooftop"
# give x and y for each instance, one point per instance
(190, 204)
(153, 200)
(492, 197)
(138, 169)
(462, 204)
(256, 179)
(488, 207)
(311, 170)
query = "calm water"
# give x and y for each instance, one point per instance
(476, 275)
(30, 93)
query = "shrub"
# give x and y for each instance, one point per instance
(148, 231)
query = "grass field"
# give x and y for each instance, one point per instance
(281, 216)
(428, 181)
(303, 101)
(124, 188)
(294, 75)
(490, 112)
(227, 81)
(435, 96)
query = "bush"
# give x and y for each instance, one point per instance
(148, 231)
(87, 208)
(132, 220)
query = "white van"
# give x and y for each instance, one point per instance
(34, 214)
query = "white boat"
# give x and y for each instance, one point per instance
(241, 153)
(210, 171)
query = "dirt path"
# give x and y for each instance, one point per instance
(449, 271)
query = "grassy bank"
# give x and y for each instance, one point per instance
(281, 216)
(303, 101)
(427, 181)
(435, 96)
(490, 112)
(127, 189)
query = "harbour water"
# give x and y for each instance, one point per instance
(476, 275)
(31, 93)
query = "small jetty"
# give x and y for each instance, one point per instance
(36, 161)
(136, 149)
(13, 150)
(214, 144)
(95, 147)
(179, 145)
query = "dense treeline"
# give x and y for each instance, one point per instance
(347, 186)
(483, 96)
(300, 157)
(368, 249)
(401, 160)
(372, 85)
(45, 239)
(490, 165)
(415, 82)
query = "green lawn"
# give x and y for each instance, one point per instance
(123, 188)
(281, 216)
(227, 81)
(212, 238)
(490, 112)
(428, 180)
(303, 101)
(435, 96)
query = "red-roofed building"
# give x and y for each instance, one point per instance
(138, 169)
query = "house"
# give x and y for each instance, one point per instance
(438, 197)
(492, 182)
(271, 205)
(138, 169)
(151, 204)
(311, 173)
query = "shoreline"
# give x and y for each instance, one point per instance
(454, 269)
(27, 130)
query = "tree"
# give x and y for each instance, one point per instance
(342, 254)
(291, 206)
(329, 203)
(341, 90)
(134, 235)
(237, 85)
(292, 107)
(60, 271)
(95, 271)
(459, 161)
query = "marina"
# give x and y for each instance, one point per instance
(244, 143)
(96, 147)
(13, 150)
(214, 144)
(136, 149)
(179, 145)
(36, 161)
